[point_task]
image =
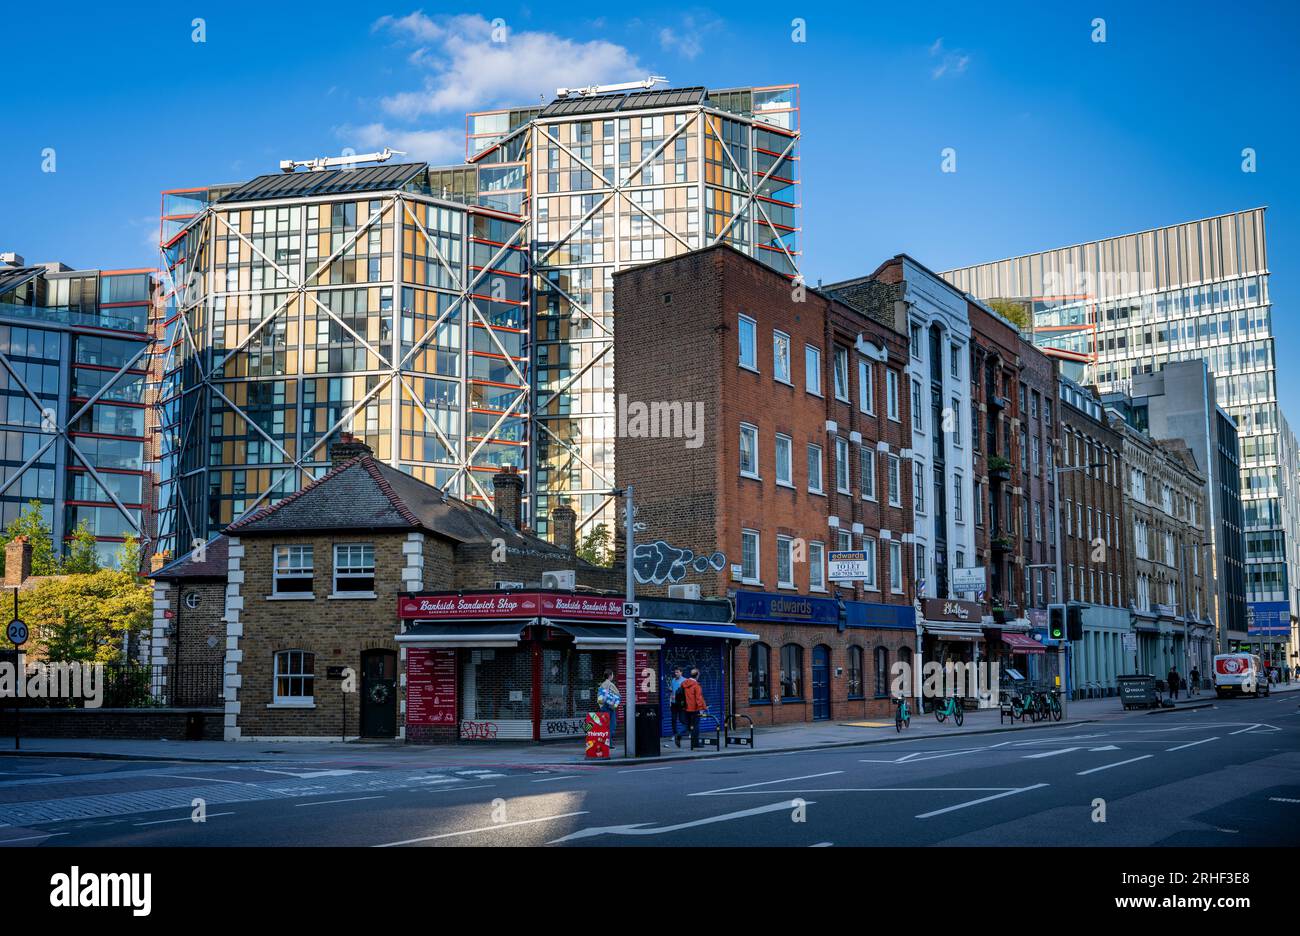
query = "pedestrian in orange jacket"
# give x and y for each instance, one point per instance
(694, 705)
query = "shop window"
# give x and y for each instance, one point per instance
(791, 672)
(354, 569)
(855, 672)
(293, 570)
(759, 661)
(295, 677)
(882, 672)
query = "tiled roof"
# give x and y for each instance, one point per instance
(214, 562)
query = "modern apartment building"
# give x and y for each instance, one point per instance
(608, 179)
(1179, 402)
(73, 407)
(378, 300)
(1115, 309)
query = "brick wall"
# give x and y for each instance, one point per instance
(136, 724)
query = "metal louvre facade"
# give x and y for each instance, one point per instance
(607, 182)
(388, 313)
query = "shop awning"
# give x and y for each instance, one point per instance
(444, 635)
(948, 630)
(691, 629)
(592, 636)
(1020, 643)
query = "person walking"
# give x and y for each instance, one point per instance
(1173, 683)
(675, 707)
(693, 697)
(608, 700)
(1195, 681)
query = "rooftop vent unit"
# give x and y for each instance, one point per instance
(645, 84)
(321, 163)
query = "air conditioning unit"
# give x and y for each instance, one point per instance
(564, 579)
(684, 591)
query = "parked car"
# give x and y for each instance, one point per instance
(1239, 674)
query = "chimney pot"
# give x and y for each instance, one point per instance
(508, 496)
(18, 561)
(564, 524)
(347, 448)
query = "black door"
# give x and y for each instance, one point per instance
(378, 694)
(821, 683)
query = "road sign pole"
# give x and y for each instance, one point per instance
(629, 713)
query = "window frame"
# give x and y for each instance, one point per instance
(763, 672)
(788, 480)
(293, 573)
(744, 320)
(752, 430)
(788, 379)
(305, 674)
(354, 575)
(757, 537)
(812, 367)
(795, 667)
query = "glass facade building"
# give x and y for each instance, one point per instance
(73, 400)
(376, 300)
(1125, 306)
(611, 180)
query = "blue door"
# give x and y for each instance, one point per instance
(821, 682)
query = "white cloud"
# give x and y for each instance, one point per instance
(468, 70)
(441, 146)
(952, 62)
(687, 39)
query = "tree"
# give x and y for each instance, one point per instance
(31, 524)
(128, 555)
(83, 558)
(1013, 312)
(594, 547)
(86, 617)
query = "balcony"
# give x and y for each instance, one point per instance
(62, 315)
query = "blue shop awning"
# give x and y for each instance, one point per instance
(692, 629)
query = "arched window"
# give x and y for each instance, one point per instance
(759, 685)
(855, 673)
(792, 671)
(882, 672)
(295, 676)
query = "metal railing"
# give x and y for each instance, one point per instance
(139, 685)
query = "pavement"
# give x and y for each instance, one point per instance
(1222, 774)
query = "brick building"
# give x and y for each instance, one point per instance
(1094, 542)
(799, 444)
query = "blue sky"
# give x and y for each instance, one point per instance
(1059, 139)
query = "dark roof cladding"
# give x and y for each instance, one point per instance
(328, 182)
(13, 277)
(213, 563)
(640, 100)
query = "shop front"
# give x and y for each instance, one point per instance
(513, 665)
(953, 632)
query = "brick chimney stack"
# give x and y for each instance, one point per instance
(18, 561)
(564, 525)
(508, 495)
(347, 448)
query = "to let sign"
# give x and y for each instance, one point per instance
(847, 566)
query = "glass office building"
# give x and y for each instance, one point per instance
(609, 180)
(73, 408)
(380, 300)
(1124, 306)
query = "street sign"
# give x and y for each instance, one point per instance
(631, 609)
(971, 578)
(17, 632)
(847, 566)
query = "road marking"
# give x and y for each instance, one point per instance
(355, 799)
(32, 837)
(567, 776)
(746, 786)
(1282, 799)
(1131, 760)
(638, 828)
(491, 828)
(481, 786)
(1051, 753)
(974, 789)
(211, 815)
(207, 779)
(984, 799)
(822, 845)
(1192, 744)
(310, 774)
(644, 769)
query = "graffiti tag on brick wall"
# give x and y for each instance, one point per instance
(659, 563)
(478, 730)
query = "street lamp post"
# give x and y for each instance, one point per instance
(1062, 658)
(629, 668)
(1187, 605)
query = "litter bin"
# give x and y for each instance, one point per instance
(647, 730)
(193, 726)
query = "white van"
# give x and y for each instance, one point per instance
(1239, 674)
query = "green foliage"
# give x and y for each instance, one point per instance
(595, 546)
(82, 557)
(86, 617)
(31, 524)
(1013, 312)
(128, 555)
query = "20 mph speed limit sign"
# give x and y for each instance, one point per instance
(17, 632)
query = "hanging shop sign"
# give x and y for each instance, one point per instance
(510, 604)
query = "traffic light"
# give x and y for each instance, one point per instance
(1074, 622)
(1056, 621)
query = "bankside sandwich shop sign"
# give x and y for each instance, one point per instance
(510, 604)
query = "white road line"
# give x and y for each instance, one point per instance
(30, 838)
(976, 789)
(638, 828)
(985, 799)
(331, 802)
(822, 845)
(1050, 753)
(1282, 799)
(1131, 760)
(481, 786)
(567, 776)
(1192, 744)
(491, 828)
(207, 779)
(746, 786)
(211, 815)
(644, 769)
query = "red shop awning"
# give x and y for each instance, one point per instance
(1019, 643)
